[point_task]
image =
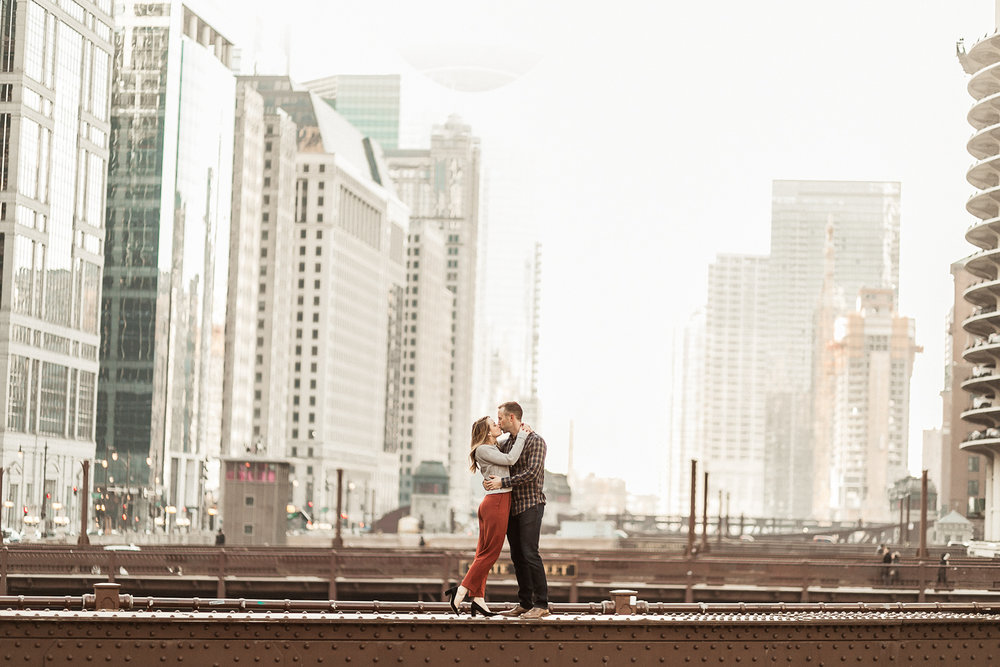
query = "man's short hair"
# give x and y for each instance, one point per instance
(512, 408)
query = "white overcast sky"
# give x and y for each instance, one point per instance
(644, 142)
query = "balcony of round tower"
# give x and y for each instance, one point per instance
(984, 264)
(984, 112)
(985, 82)
(985, 204)
(985, 52)
(985, 173)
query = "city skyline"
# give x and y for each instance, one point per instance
(672, 132)
(627, 191)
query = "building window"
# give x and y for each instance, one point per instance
(973, 464)
(248, 501)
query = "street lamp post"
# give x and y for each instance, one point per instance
(45, 495)
(84, 491)
(350, 524)
(338, 541)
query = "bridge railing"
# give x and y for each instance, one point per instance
(438, 568)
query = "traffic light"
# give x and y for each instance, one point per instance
(74, 490)
(25, 509)
(48, 496)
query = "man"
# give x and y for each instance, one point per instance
(527, 505)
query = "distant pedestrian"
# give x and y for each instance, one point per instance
(220, 538)
(894, 573)
(942, 577)
(886, 564)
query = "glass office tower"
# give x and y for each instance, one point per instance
(166, 265)
(55, 60)
(370, 102)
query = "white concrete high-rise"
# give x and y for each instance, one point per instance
(427, 355)
(275, 281)
(347, 270)
(56, 62)
(244, 251)
(441, 186)
(735, 352)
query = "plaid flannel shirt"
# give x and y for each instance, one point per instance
(527, 475)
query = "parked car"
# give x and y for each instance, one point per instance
(11, 536)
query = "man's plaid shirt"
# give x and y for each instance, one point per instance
(527, 476)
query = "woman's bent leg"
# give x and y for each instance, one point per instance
(493, 514)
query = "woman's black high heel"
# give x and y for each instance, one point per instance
(476, 608)
(451, 592)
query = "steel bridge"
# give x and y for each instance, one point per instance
(106, 627)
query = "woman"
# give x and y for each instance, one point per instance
(493, 511)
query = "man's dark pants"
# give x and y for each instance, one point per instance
(522, 535)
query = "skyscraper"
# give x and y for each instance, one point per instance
(54, 127)
(427, 355)
(735, 351)
(686, 409)
(863, 218)
(166, 257)
(369, 101)
(873, 351)
(347, 273)
(275, 281)
(244, 251)
(441, 186)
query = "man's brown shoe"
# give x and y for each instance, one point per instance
(536, 612)
(516, 611)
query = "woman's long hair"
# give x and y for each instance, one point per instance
(480, 436)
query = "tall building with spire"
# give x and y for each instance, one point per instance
(864, 217)
(56, 62)
(873, 350)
